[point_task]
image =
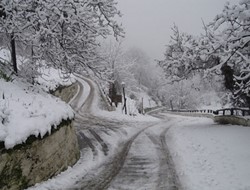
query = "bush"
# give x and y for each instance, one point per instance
(4, 76)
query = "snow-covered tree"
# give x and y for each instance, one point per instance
(143, 75)
(182, 56)
(186, 60)
(228, 37)
(110, 57)
(63, 32)
(131, 66)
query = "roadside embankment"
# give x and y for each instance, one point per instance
(39, 159)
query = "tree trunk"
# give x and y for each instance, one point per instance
(13, 52)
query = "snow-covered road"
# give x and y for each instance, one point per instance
(148, 163)
(172, 152)
(115, 150)
(128, 150)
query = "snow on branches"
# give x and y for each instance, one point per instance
(223, 49)
(63, 32)
(231, 36)
(182, 56)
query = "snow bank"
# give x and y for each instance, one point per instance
(51, 78)
(210, 156)
(26, 110)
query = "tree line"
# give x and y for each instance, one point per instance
(223, 49)
(62, 32)
(65, 34)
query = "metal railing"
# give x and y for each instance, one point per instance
(193, 111)
(233, 111)
(226, 111)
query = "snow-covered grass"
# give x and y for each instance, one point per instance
(26, 110)
(210, 156)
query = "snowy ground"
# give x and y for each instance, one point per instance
(26, 110)
(207, 156)
(115, 128)
(210, 156)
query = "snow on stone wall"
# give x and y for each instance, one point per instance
(39, 159)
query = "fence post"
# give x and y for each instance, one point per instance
(232, 111)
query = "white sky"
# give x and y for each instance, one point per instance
(148, 22)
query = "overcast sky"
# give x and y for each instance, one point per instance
(148, 22)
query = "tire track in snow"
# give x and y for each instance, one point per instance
(110, 169)
(102, 178)
(167, 167)
(138, 171)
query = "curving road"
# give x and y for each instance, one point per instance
(134, 155)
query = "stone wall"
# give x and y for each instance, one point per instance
(66, 93)
(234, 120)
(39, 159)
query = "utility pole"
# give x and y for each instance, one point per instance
(124, 106)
